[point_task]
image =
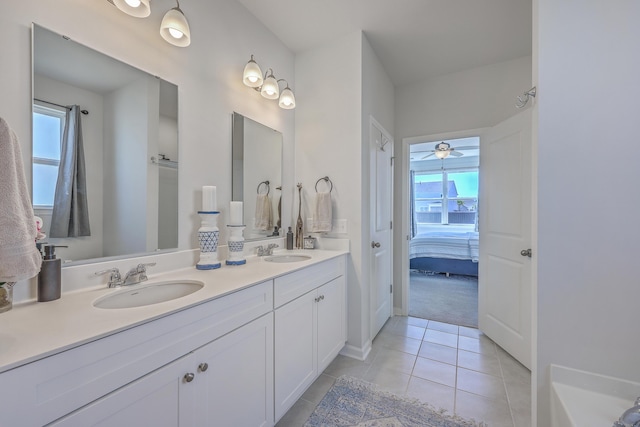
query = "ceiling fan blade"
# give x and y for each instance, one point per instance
(471, 147)
(456, 154)
(427, 156)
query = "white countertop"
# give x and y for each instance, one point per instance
(32, 330)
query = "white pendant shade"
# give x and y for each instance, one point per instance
(442, 154)
(252, 75)
(287, 100)
(175, 28)
(136, 8)
(270, 88)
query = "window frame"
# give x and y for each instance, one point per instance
(61, 114)
(444, 199)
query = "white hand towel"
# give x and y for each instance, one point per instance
(19, 257)
(322, 214)
(264, 216)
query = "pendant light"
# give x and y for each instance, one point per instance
(252, 75)
(270, 89)
(287, 99)
(136, 8)
(175, 28)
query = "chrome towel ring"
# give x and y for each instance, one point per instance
(265, 183)
(327, 180)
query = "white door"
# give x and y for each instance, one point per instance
(381, 191)
(330, 326)
(504, 280)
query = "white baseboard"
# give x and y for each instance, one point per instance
(359, 353)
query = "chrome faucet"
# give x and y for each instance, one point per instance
(262, 251)
(136, 275)
(630, 417)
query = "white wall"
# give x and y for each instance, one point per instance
(208, 73)
(126, 139)
(338, 86)
(471, 99)
(588, 91)
(92, 126)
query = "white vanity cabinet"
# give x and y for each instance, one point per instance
(310, 328)
(227, 382)
(153, 374)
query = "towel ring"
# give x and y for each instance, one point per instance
(265, 183)
(327, 180)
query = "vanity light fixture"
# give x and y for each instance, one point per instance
(135, 8)
(174, 28)
(268, 86)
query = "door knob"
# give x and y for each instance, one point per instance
(526, 252)
(189, 377)
(375, 244)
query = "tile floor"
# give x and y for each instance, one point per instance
(451, 367)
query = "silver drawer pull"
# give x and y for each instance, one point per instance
(203, 367)
(189, 377)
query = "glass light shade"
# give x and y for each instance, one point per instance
(287, 100)
(252, 75)
(175, 28)
(443, 154)
(270, 88)
(136, 8)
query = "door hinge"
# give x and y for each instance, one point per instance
(392, 160)
(391, 288)
(390, 225)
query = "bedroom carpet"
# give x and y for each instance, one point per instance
(452, 299)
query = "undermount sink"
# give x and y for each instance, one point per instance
(148, 294)
(287, 258)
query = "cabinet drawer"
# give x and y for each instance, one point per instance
(45, 390)
(293, 285)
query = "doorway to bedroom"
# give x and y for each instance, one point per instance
(443, 240)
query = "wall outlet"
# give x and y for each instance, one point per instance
(339, 226)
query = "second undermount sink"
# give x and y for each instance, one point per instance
(287, 258)
(148, 294)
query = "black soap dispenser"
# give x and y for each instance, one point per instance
(50, 276)
(290, 239)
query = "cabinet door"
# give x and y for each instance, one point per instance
(331, 321)
(162, 398)
(295, 350)
(235, 377)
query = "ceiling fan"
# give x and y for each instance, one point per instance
(443, 149)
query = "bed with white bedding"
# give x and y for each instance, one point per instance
(454, 252)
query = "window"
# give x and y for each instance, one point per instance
(446, 197)
(48, 127)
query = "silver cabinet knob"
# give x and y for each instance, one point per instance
(526, 252)
(189, 377)
(375, 244)
(203, 367)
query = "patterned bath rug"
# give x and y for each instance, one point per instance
(352, 402)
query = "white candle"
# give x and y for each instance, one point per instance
(235, 213)
(209, 198)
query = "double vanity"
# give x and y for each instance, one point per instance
(230, 347)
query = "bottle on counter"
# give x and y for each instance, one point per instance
(50, 276)
(290, 239)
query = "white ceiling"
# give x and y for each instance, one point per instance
(414, 39)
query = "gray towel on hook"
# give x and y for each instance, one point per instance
(264, 216)
(322, 213)
(19, 257)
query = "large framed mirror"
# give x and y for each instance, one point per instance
(257, 176)
(105, 179)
